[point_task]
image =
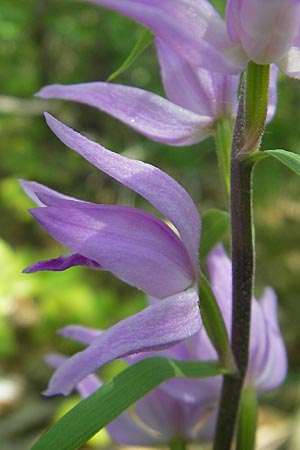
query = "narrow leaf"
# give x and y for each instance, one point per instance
(145, 39)
(214, 324)
(114, 397)
(247, 420)
(215, 223)
(289, 159)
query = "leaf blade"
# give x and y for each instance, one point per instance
(289, 159)
(143, 42)
(114, 397)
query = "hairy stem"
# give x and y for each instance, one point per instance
(242, 282)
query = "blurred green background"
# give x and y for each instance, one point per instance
(54, 41)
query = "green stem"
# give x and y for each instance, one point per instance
(256, 105)
(242, 282)
(247, 420)
(248, 130)
(223, 141)
(178, 444)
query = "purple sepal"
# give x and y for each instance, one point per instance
(63, 262)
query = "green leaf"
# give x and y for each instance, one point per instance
(214, 324)
(114, 397)
(289, 159)
(247, 420)
(144, 40)
(215, 223)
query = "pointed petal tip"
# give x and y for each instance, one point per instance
(51, 392)
(28, 269)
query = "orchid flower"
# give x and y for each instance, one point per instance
(134, 245)
(198, 99)
(186, 408)
(261, 31)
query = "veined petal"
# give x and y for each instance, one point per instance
(157, 326)
(168, 416)
(63, 262)
(181, 82)
(87, 386)
(126, 431)
(165, 194)
(194, 88)
(147, 113)
(81, 334)
(134, 245)
(192, 28)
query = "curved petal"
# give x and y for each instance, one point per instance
(157, 326)
(233, 19)
(190, 391)
(34, 189)
(165, 194)
(147, 113)
(200, 90)
(181, 82)
(63, 262)
(192, 28)
(273, 367)
(135, 246)
(265, 29)
(126, 431)
(81, 334)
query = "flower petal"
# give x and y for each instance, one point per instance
(155, 327)
(201, 91)
(198, 348)
(265, 29)
(33, 189)
(81, 334)
(271, 371)
(219, 268)
(192, 28)
(135, 246)
(154, 185)
(87, 386)
(63, 262)
(147, 113)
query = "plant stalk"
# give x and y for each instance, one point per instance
(242, 281)
(178, 444)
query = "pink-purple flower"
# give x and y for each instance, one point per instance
(186, 408)
(197, 100)
(136, 246)
(263, 31)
